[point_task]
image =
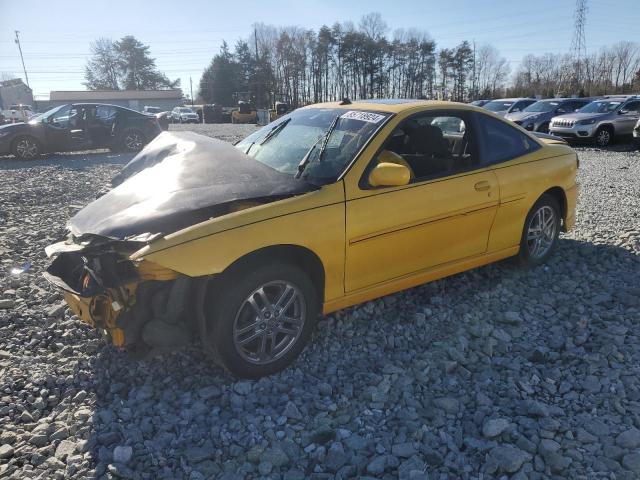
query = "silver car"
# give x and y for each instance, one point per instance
(600, 121)
(184, 115)
(636, 134)
(536, 117)
(502, 106)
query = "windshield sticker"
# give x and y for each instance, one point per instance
(363, 116)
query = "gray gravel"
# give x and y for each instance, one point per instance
(494, 373)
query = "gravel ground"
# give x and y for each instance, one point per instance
(494, 373)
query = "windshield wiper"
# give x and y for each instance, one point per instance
(307, 157)
(274, 131)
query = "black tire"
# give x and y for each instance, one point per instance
(132, 140)
(603, 137)
(26, 148)
(544, 128)
(527, 255)
(226, 301)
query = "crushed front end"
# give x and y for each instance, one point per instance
(134, 303)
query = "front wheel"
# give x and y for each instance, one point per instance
(26, 148)
(604, 137)
(258, 319)
(544, 128)
(540, 233)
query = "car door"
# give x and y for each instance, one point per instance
(79, 120)
(444, 214)
(506, 150)
(57, 127)
(101, 125)
(626, 121)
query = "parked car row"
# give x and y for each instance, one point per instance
(598, 120)
(79, 126)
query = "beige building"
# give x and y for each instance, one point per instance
(14, 92)
(134, 99)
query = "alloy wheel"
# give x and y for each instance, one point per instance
(133, 141)
(27, 148)
(269, 322)
(603, 138)
(541, 232)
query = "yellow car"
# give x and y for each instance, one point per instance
(242, 247)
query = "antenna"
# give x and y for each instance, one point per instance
(17, 40)
(579, 43)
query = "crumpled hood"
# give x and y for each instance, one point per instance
(178, 180)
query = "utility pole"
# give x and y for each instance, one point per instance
(17, 40)
(473, 81)
(256, 79)
(191, 89)
(579, 43)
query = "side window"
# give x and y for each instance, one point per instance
(632, 107)
(503, 142)
(105, 113)
(573, 106)
(433, 145)
(60, 119)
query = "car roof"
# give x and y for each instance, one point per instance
(512, 99)
(393, 105)
(89, 104)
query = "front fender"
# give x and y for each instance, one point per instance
(314, 221)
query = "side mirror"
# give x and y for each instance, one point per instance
(561, 111)
(623, 112)
(389, 175)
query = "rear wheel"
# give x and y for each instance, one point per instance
(258, 320)
(132, 140)
(540, 233)
(26, 148)
(604, 137)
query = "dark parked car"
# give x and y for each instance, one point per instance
(79, 126)
(480, 103)
(536, 117)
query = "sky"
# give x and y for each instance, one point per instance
(184, 35)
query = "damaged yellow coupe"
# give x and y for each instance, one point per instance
(242, 247)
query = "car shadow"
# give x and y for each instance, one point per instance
(179, 413)
(74, 160)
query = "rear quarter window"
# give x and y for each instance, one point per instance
(502, 142)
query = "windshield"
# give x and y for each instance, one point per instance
(542, 107)
(602, 106)
(45, 115)
(152, 109)
(497, 105)
(186, 110)
(295, 134)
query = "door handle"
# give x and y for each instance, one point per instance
(482, 186)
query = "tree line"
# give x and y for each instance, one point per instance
(614, 69)
(365, 60)
(345, 60)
